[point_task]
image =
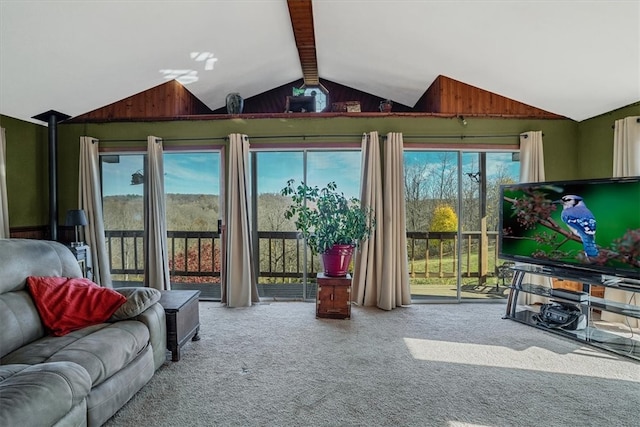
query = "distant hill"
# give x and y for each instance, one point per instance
(185, 212)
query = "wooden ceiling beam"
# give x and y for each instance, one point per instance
(301, 15)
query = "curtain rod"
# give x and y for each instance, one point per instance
(210, 138)
(461, 136)
(613, 126)
(347, 135)
(359, 135)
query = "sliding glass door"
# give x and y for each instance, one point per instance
(192, 195)
(123, 211)
(287, 268)
(432, 211)
(452, 222)
(451, 208)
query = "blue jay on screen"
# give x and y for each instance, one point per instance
(580, 221)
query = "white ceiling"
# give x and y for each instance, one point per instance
(575, 58)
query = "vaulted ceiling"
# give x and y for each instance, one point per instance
(577, 58)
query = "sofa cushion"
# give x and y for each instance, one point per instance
(20, 321)
(102, 349)
(21, 258)
(138, 300)
(41, 394)
(67, 304)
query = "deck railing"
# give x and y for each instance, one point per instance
(195, 255)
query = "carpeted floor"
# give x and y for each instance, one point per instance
(275, 364)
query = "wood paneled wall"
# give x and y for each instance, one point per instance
(169, 99)
(274, 100)
(65, 234)
(445, 96)
(449, 96)
(35, 232)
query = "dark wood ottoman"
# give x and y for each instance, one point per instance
(183, 319)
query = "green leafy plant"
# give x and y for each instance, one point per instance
(326, 217)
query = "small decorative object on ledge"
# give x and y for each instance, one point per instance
(386, 105)
(353, 106)
(235, 103)
(346, 107)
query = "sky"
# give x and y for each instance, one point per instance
(343, 167)
(185, 173)
(198, 173)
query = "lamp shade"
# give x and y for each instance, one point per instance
(75, 217)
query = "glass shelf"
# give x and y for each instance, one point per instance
(623, 283)
(594, 302)
(611, 340)
(598, 338)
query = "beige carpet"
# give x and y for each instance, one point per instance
(275, 364)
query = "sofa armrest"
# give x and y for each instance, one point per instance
(155, 320)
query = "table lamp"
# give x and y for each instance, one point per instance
(76, 218)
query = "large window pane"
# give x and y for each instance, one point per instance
(192, 191)
(284, 260)
(431, 196)
(281, 255)
(439, 221)
(123, 209)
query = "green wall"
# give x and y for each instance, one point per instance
(595, 147)
(27, 145)
(27, 172)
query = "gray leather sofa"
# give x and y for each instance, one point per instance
(83, 377)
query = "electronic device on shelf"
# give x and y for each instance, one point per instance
(570, 295)
(574, 228)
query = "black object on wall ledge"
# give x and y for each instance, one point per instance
(300, 104)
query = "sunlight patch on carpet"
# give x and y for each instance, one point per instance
(532, 358)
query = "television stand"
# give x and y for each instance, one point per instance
(620, 339)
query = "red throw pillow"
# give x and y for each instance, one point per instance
(66, 304)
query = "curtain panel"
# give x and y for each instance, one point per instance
(626, 162)
(156, 265)
(4, 201)
(90, 200)
(381, 275)
(394, 287)
(368, 260)
(626, 147)
(532, 170)
(240, 289)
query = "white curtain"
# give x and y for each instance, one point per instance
(532, 170)
(394, 286)
(240, 289)
(368, 260)
(90, 199)
(381, 275)
(626, 162)
(4, 201)
(156, 255)
(626, 147)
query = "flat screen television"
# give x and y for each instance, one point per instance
(578, 226)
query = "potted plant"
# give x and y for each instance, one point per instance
(332, 224)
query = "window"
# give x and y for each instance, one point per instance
(192, 194)
(320, 96)
(283, 259)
